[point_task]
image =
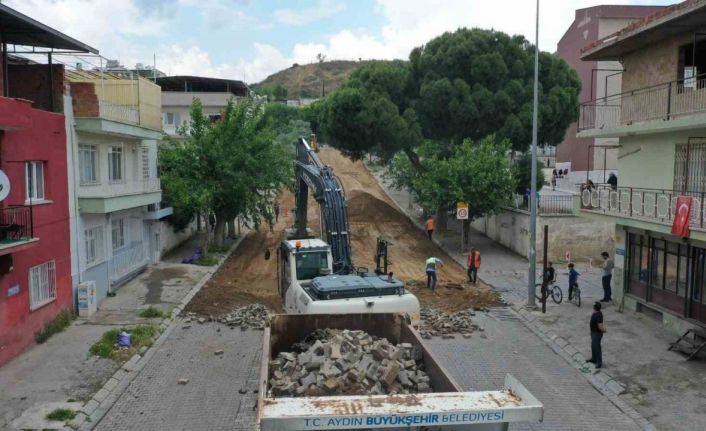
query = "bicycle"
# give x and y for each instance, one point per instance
(552, 290)
(575, 295)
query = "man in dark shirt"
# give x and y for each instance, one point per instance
(597, 331)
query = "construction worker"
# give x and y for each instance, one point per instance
(472, 265)
(430, 226)
(431, 271)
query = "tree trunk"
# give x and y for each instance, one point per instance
(219, 232)
(441, 219)
(231, 228)
(414, 158)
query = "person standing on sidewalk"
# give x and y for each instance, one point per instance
(431, 264)
(472, 265)
(607, 276)
(276, 208)
(430, 226)
(597, 331)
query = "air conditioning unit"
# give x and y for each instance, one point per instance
(87, 298)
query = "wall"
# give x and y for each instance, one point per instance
(31, 82)
(654, 65)
(45, 140)
(169, 239)
(585, 239)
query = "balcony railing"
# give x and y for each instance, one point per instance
(128, 260)
(119, 188)
(658, 102)
(548, 204)
(16, 224)
(653, 205)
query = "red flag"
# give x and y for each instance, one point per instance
(682, 214)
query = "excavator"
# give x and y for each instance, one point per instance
(318, 277)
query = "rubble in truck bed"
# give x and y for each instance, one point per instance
(436, 323)
(343, 362)
(253, 316)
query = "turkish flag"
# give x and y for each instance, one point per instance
(682, 214)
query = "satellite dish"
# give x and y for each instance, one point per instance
(4, 186)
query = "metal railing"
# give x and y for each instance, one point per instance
(119, 188)
(128, 260)
(548, 204)
(16, 223)
(658, 102)
(655, 205)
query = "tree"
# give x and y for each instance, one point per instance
(230, 168)
(278, 115)
(312, 114)
(280, 93)
(522, 171)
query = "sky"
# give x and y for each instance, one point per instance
(251, 39)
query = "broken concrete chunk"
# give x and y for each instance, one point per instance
(183, 381)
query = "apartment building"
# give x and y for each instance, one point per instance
(593, 158)
(117, 209)
(659, 118)
(178, 92)
(35, 253)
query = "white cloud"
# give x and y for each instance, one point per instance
(303, 16)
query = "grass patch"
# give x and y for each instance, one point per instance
(152, 312)
(58, 324)
(208, 260)
(61, 415)
(107, 346)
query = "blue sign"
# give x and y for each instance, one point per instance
(620, 251)
(14, 290)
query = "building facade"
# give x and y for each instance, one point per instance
(593, 158)
(659, 118)
(35, 252)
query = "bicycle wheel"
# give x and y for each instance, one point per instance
(557, 294)
(538, 288)
(577, 292)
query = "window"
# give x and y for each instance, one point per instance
(690, 167)
(309, 265)
(212, 118)
(146, 171)
(115, 164)
(118, 233)
(658, 254)
(34, 180)
(94, 245)
(687, 63)
(88, 164)
(171, 118)
(42, 284)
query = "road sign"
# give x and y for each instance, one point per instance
(462, 210)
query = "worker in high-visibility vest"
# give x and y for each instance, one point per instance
(472, 265)
(431, 264)
(430, 226)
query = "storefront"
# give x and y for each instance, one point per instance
(668, 273)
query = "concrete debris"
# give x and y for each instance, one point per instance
(344, 362)
(218, 352)
(436, 323)
(183, 381)
(253, 316)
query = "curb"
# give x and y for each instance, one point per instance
(601, 380)
(101, 402)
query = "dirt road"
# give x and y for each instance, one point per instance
(247, 277)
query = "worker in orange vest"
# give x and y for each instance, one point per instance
(430, 226)
(472, 265)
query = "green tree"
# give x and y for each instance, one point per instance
(278, 115)
(280, 92)
(230, 168)
(522, 171)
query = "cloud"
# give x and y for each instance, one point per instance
(303, 16)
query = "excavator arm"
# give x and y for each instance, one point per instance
(327, 190)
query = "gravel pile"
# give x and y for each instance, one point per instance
(436, 323)
(335, 362)
(251, 316)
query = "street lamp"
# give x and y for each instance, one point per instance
(533, 178)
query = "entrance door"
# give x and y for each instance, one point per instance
(697, 302)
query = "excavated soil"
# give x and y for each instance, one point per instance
(246, 277)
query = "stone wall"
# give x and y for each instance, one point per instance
(655, 65)
(584, 238)
(169, 239)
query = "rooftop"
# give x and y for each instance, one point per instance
(675, 19)
(202, 84)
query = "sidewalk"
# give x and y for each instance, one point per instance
(61, 370)
(641, 378)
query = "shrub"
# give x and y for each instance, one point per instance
(141, 335)
(58, 324)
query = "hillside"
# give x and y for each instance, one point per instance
(304, 80)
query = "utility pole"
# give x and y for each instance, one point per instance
(533, 187)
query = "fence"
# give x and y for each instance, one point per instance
(663, 101)
(128, 260)
(548, 204)
(16, 223)
(657, 205)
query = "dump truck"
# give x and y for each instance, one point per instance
(446, 408)
(317, 275)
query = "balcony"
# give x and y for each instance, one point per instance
(548, 205)
(16, 228)
(647, 205)
(671, 106)
(102, 198)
